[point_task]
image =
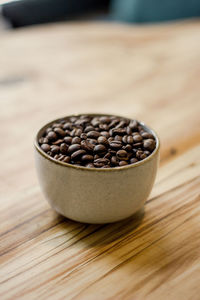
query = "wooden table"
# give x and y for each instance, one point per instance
(150, 73)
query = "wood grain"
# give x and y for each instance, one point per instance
(150, 73)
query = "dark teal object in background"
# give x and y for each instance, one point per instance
(141, 11)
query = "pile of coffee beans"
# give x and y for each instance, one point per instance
(97, 142)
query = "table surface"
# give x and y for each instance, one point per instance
(149, 73)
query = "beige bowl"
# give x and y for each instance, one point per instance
(93, 195)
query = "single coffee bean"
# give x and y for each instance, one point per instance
(123, 163)
(67, 125)
(100, 162)
(43, 140)
(121, 124)
(82, 122)
(67, 132)
(58, 142)
(133, 160)
(55, 149)
(95, 122)
(143, 156)
(68, 140)
(139, 153)
(63, 148)
(103, 127)
(99, 148)
(107, 155)
(129, 139)
(60, 132)
(128, 148)
(87, 158)
(52, 136)
(83, 136)
(149, 144)
(113, 123)
(45, 147)
(61, 157)
(89, 128)
(77, 154)
(105, 133)
(90, 165)
(147, 153)
(115, 145)
(147, 135)
(57, 125)
(76, 132)
(86, 145)
(124, 139)
(114, 161)
(76, 140)
(93, 134)
(66, 159)
(57, 156)
(122, 155)
(118, 138)
(133, 125)
(73, 148)
(102, 140)
(104, 120)
(137, 145)
(128, 130)
(137, 138)
(48, 130)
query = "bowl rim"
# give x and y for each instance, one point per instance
(120, 168)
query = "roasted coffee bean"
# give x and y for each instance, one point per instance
(74, 148)
(149, 144)
(87, 158)
(87, 145)
(133, 160)
(83, 136)
(123, 163)
(118, 138)
(55, 149)
(60, 132)
(103, 127)
(130, 139)
(50, 153)
(139, 153)
(43, 140)
(105, 133)
(133, 125)
(76, 132)
(107, 155)
(137, 145)
(77, 154)
(114, 161)
(57, 125)
(52, 136)
(104, 120)
(97, 142)
(119, 131)
(93, 134)
(88, 129)
(66, 159)
(58, 142)
(128, 130)
(76, 140)
(122, 155)
(68, 126)
(68, 140)
(137, 138)
(45, 147)
(63, 148)
(100, 162)
(128, 148)
(90, 165)
(115, 145)
(99, 148)
(102, 140)
(147, 135)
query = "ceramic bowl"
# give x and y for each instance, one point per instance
(92, 195)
